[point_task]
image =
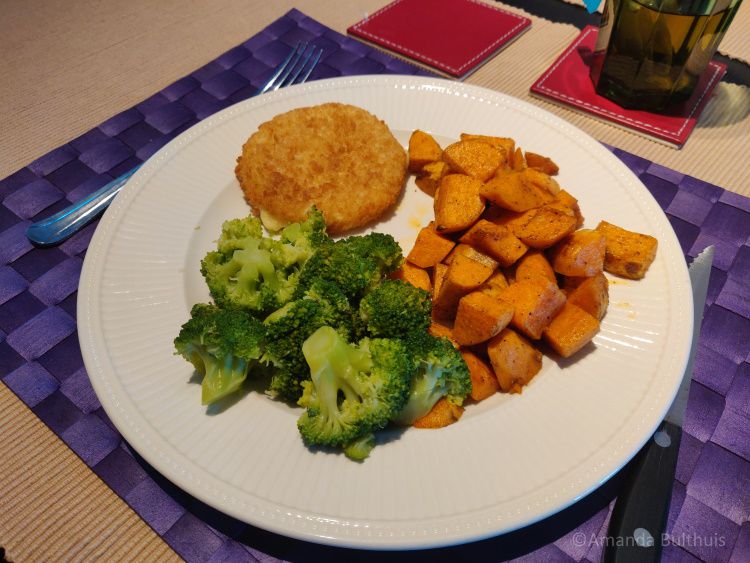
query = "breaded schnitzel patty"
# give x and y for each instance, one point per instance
(338, 157)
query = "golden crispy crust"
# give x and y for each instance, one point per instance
(337, 157)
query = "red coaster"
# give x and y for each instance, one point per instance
(452, 36)
(567, 82)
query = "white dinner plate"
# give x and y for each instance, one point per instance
(510, 461)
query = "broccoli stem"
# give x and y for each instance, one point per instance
(360, 449)
(254, 265)
(221, 379)
(328, 358)
(332, 363)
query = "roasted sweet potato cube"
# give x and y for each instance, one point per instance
(464, 275)
(544, 226)
(628, 254)
(591, 295)
(507, 144)
(569, 283)
(474, 158)
(483, 381)
(534, 265)
(509, 190)
(480, 317)
(494, 284)
(440, 330)
(542, 163)
(423, 149)
(496, 241)
(580, 254)
(442, 414)
(497, 215)
(514, 359)
(429, 248)
(430, 176)
(438, 277)
(517, 161)
(471, 252)
(540, 180)
(458, 203)
(564, 198)
(509, 219)
(567, 199)
(413, 275)
(535, 303)
(570, 330)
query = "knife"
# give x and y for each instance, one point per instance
(640, 514)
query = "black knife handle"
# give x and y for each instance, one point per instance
(640, 514)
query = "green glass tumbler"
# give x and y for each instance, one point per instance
(650, 54)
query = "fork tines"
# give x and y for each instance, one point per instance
(295, 68)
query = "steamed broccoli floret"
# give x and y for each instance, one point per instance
(355, 389)
(288, 327)
(395, 309)
(310, 233)
(360, 449)
(379, 247)
(355, 264)
(440, 371)
(222, 345)
(259, 273)
(336, 308)
(235, 230)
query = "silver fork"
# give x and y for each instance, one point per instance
(294, 69)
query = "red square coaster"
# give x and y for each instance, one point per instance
(452, 36)
(567, 82)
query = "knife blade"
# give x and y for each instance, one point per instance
(636, 529)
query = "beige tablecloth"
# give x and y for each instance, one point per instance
(75, 64)
(68, 66)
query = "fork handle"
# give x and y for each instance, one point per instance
(61, 225)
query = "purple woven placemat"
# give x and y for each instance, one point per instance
(40, 359)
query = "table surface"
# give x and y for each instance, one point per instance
(68, 66)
